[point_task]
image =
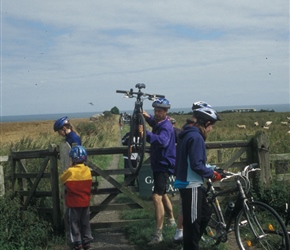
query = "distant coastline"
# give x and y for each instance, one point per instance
(41, 117)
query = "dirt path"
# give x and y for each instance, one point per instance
(109, 238)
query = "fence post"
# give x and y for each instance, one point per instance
(57, 222)
(65, 162)
(2, 187)
(261, 155)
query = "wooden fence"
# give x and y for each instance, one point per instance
(47, 166)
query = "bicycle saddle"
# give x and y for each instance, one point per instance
(140, 86)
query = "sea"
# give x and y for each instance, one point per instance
(43, 117)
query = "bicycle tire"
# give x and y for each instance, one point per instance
(258, 226)
(215, 232)
(136, 143)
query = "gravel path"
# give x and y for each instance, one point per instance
(109, 238)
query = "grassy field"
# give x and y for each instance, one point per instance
(227, 129)
(106, 130)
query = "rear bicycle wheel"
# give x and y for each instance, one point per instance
(136, 143)
(260, 227)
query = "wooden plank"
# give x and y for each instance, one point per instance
(280, 157)
(36, 193)
(113, 224)
(113, 171)
(227, 144)
(261, 144)
(2, 186)
(116, 184)
(17, 155)
(99, 191)
(31, 175)
(35, 184)
(56, 216)
(113, 207)
(107, 151)
(64, 158)
(234, 158)
(4, 158)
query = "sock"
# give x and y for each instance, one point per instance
(158, 231)
(172, 221)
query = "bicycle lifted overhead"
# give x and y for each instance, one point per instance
(137, 138)
(256, 224)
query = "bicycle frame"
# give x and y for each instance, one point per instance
(238, 203)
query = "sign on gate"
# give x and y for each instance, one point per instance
(146, 182)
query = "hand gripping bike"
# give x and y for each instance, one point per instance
(256, 225)
(137, 136)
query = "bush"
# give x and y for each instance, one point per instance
(275, 195)
(17, 225)
(115, 110)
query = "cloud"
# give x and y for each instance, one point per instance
(78, 52)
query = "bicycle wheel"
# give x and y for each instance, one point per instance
(260, 227)
(136, 143)
(215, 232)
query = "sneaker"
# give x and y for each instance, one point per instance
(178, 235)
(156, 239)
(171, 223)
(87, 246)
(77, 247)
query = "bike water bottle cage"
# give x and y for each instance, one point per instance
(59, 123)
(140, 86)
(78, 154)
(161, 103)
(200, 104)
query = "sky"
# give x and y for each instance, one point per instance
(60, 56)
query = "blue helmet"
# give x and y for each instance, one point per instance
(78, 154)
(59, 123)
(161, 103)
(200, 104)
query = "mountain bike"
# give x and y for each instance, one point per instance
(256, 225)
(137, 137)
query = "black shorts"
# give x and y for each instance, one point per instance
(160, 182)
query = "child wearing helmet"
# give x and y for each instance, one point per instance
(162, 159)
(78, 180)
(190, 172)
(65, 129)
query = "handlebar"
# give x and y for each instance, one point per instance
(132, 94)
(244, 173)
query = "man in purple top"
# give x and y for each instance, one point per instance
(162, 158)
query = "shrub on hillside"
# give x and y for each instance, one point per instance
(275, 195)
(21, 229)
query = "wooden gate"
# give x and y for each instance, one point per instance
(28, 184)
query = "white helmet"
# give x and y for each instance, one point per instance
(200, 104)
(206, 114)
